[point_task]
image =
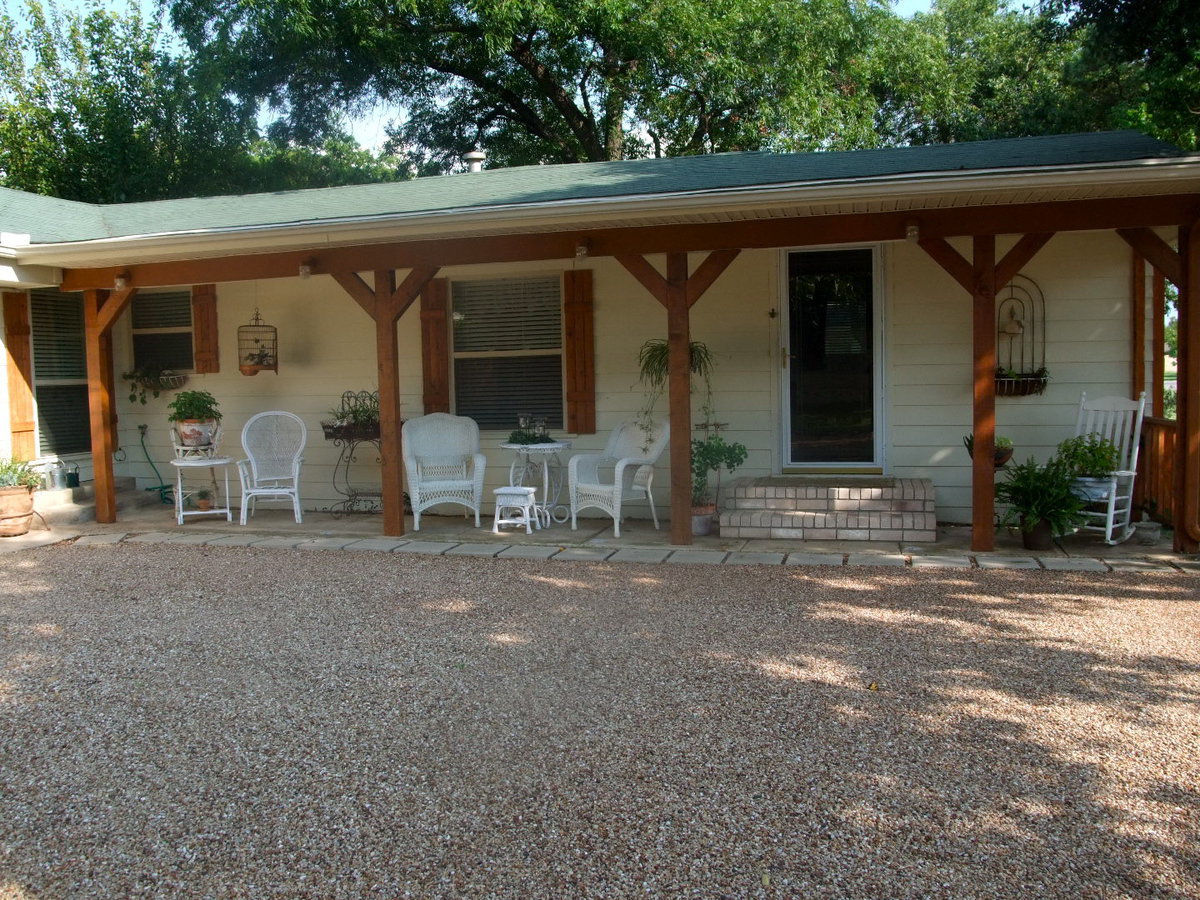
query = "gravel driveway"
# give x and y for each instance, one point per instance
(218, 722)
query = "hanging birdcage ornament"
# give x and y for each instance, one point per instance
(258, 346)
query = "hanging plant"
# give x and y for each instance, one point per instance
(150, 377)
(654, 363)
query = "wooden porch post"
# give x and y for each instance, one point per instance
(386, 303)
(1137, 331)
(1158, 340)
(983, 469)
(1187, 471)
(100, 311)
(678, 293)
(680, 396)
(982, 278)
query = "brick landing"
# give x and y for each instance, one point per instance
(825, 508)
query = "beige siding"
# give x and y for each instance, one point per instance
(327, 345)
(1086, 280)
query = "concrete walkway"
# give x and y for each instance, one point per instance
(593, 541)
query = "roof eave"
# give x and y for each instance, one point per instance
(633, 208)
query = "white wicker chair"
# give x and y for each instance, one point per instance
(1109, 509)
(631, 454)
(273, 442)
(442, 463)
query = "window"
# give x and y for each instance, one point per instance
(59, 373)
(162, 331)
(507, 350)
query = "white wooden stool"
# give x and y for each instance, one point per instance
(519, 501)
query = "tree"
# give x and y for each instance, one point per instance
(1157, 44)
(977, 69)
(92, 108)
(552, 80)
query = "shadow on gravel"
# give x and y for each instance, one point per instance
(363, 724)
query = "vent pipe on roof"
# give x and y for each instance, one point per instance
(474, 160)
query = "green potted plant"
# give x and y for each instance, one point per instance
(204, 499)
(653, 368)
(17, 484)
(1002, 450)
(712, 454)
(1091, 460)
(196, 417)
(1041, 501)
(356, 419)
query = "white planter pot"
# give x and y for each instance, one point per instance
(196, 433)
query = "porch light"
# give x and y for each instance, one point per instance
(258, 346)
(121, 281)
(305, 270)
(912, 232)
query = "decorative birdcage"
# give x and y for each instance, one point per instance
(258, 347)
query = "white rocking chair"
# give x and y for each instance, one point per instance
(1109, 509)
(273, 442)
(442, 463)
(631, 453)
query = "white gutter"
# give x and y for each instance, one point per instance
(1167, 174)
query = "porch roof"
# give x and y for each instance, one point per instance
(50, 221)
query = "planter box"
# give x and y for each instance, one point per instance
(1020, 385)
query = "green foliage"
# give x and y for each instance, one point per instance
(1170, 403)
(552, 80)
(999, 442)
(17, 473)
(1035, 492)
(193, 405)
(1089, 456)
(93, 107)
(711, 455)
(525, 437)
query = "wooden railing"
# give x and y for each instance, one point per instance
(1155, 485)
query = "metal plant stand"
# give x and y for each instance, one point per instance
(357, 500)
(356, 425)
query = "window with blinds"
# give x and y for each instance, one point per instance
(59, 373)
(506, 336)
(162, 330)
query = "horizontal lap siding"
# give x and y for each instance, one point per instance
(1085, 278)
(327, 345)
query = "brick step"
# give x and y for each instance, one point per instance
(848, 508)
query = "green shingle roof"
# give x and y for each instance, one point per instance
(48, 220)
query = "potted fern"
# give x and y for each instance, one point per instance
(1041, 501)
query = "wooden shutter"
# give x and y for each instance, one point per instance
(435, 346)
(580, 351)
(18, 343)
(204, 329)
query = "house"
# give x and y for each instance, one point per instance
(859, 305)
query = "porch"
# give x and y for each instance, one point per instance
(456, 535)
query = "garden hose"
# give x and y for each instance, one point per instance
(165, 491)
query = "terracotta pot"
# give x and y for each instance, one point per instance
(1040, 537)
(16, 510)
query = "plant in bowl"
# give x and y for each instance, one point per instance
(653, 369)
(196, 416)
(1089, 456)
(17, 484)
(1001, 453)
(710, 455)
(1041, 500)
(151, 377)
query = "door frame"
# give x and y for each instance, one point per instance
(879, 361)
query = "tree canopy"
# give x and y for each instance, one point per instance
(93, 108)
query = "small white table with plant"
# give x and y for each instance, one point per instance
(534, 449)
(196, 422)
